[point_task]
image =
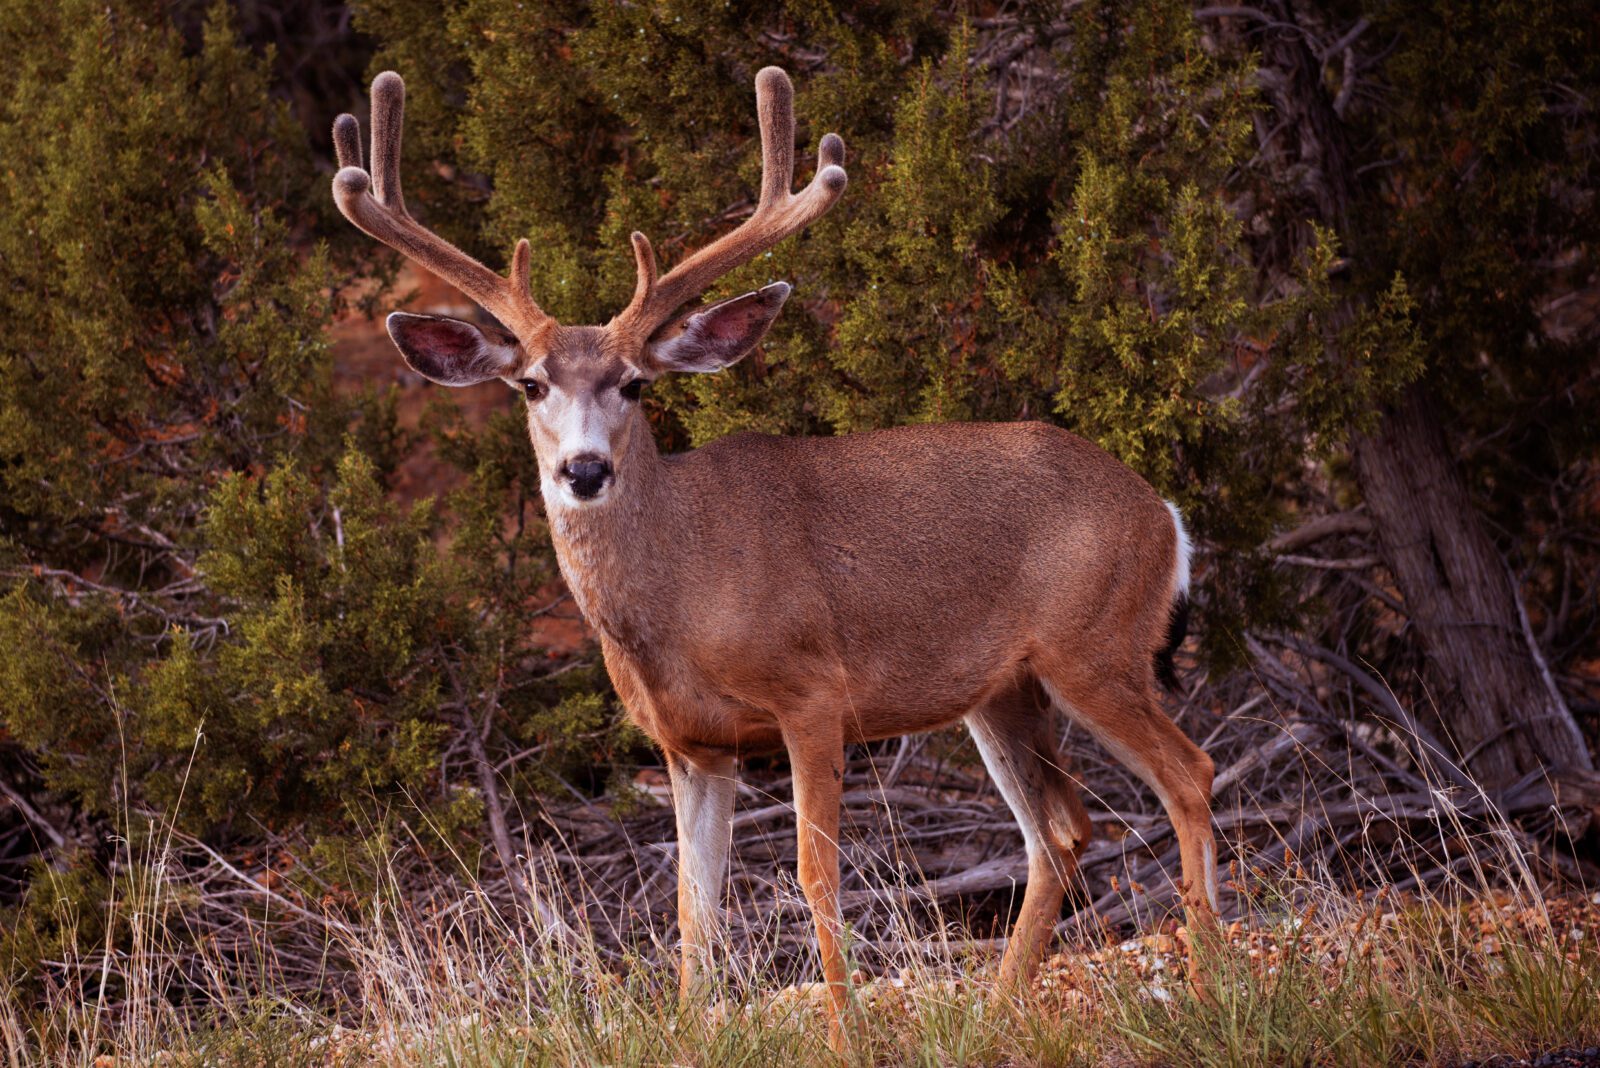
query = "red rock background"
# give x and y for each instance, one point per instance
(365, 356)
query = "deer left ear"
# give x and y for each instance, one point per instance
(719, 336)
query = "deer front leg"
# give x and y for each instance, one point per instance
(702, 800)
(817, 760)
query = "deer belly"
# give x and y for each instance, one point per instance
(891, 710)
(734, 697)
(924, 681)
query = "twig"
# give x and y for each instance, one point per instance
(33, 815)
(1321, 528)
(1387, 700)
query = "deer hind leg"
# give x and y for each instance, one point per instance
(702, 800)
(1016, 738)
(1127, 719)
(816, 756)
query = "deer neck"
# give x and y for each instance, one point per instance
(616, 556)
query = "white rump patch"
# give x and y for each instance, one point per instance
(1185, 551)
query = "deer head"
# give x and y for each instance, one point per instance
(583, 383)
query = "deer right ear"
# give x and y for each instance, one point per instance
(718, 336)
(453, 352)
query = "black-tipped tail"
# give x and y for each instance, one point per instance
(1177, 628)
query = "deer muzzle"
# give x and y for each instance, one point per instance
(586, 475)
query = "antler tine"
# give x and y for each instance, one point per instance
(775, 119)
(347, 141)
(388, 95)
(374, 203)
(645, 261)
(778, 213)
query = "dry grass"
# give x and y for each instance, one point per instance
(1469, 954)
(1428, 978)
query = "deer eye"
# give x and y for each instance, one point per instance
(534, 389)
(632, 390)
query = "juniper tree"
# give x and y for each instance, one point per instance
(161, 329)
(205, 591)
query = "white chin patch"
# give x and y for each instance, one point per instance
(561, 494)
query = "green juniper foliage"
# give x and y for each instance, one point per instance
(162, 329)
(205, 590)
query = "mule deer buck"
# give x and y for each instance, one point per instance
(806, 593)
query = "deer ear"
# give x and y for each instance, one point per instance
(719, 336)
(453, 352)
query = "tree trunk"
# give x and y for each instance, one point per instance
(1496, 697)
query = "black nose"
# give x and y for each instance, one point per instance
(587, 475)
